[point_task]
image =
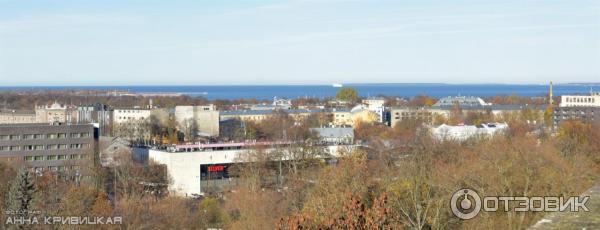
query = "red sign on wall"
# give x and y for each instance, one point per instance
(216, 168)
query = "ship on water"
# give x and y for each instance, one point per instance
(337, 85)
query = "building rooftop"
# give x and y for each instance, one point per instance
(42, 124)
(335, 132)
(266, 112)
(462, 100)
(19, 112)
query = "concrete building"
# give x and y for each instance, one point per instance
(16, 117)
(592, 100)
(465, 132)
(55, 147)
(335, 135)
(194, 168)
(95, 113)
(205, 119)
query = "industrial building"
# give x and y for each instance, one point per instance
(198, 168)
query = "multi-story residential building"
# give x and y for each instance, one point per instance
(424, 114)
(376, 104)
(428, 114)
(592, 100)
(130, 115)
(129, 123)
(15, 117)
(585, 114)
(342, 117)
(260, 115)
(55, 147)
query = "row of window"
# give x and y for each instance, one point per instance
(55, 168)
(581, 100)
(130, 118)
(44, 136)
(414, 113)
(44, 147)
(55, 157)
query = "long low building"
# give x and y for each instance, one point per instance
(427, 114)
(200, 163)
(465, 132)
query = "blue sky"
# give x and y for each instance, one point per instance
(60, 42)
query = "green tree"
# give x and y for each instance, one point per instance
(347, 94)
(21, 194)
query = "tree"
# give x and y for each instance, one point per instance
(349, 95)
(211, 215)
(21, 194)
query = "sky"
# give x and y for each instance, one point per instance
(151, 42)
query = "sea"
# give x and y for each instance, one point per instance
(267, 92)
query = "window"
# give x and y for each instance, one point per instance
(29, 158)
(62, 146)
(15, 148)
(4, 137)
(39, 158)
(75, 135)
(51, 147)
(76, 146)
(62, 157)
(4, 148)
(85, 135)
(73, 156)
(15, 137)
(52, 136)
(62, 135)
(28, 136)
(38, 136)
(53, 168)
(28, 147)
(51, 157)
(39, 147)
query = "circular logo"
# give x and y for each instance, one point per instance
(465, 203)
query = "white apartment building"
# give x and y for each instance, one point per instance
(592, 100)
(464, 132)
(376, 105)
(122, 116)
